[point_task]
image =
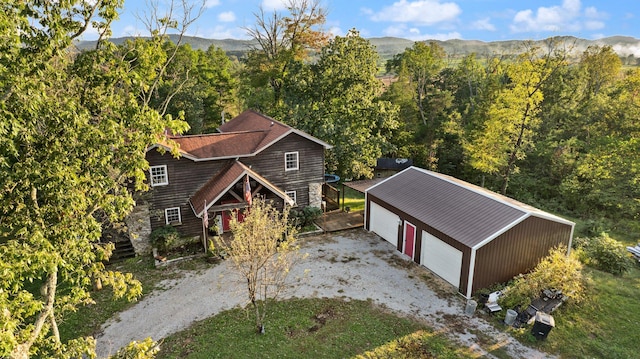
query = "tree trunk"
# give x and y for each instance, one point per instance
(22, 350)
(514, 153)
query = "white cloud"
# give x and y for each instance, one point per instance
(424, 12)
(270, 5)
(211, 3)
(565, 17)
(483, 24)
(628, 50)
(222, 32)
(130, 31)
(227, 16)
(594, 25)
(336, 31)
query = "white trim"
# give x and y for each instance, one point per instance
(404, 238)
(472, 269)
(166, 215)
(384, 180)
(293, 196)
(165, 174)
(286, 162)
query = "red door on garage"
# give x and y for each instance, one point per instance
(409, 239)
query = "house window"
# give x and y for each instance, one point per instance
(290, 161)
(159, 175)
(292, 195)
(172, 215)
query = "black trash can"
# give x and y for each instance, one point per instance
(542, 325)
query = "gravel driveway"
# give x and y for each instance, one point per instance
(352, 264)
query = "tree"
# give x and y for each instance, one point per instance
(421, 78)
(263, 250)
(513, 117)
(73, 137)
(283, 40)
(337, 100)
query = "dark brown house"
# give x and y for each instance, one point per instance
(210, 174)
(469, 236)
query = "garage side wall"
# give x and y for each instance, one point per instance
(518, 250)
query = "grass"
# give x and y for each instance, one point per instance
(605, 326)
(310, 328)
(353, 199)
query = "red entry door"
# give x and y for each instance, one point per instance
(409, 239)
(227, 215)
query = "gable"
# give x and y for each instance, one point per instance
(455, 210)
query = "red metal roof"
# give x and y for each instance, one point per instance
(467, 213)
(222, 182)
(245, 135)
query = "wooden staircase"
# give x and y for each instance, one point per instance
(124, 249)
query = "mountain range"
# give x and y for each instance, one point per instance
(628, 48)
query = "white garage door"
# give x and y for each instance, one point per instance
(384, 223)
(441, 258)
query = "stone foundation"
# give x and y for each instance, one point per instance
(315, 195)
(139, 229)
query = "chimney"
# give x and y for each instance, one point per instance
(222, 117)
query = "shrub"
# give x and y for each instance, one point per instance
(164, 238)
(306, 216)
(605, 253)
(555, 271)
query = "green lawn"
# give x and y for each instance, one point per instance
(353, 199)
(605, 326)
(310, 328)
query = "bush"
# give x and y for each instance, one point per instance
(605, 254)
(555, 271)
(306, 216)
(164, 238)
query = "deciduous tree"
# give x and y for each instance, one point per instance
(263, 250)
(73, 135)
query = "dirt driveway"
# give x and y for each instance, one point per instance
(352, 264)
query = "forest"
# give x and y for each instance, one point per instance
(546, 126)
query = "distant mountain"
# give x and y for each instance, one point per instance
(387, 47)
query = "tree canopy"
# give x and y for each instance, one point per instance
(73, 135)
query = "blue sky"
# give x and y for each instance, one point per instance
(486, 20)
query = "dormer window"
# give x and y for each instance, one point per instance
(158, 175)
(291, 161)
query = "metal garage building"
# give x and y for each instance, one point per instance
(469, 236)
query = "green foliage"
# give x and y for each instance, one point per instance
(74, 129)
(306, 217)
(605, 253)
(146, 349)
(556, 271)
(164, 238)
(336, 100)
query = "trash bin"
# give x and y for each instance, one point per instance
(510, 318)
(542, 326)
(471, 307)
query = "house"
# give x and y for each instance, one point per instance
(214, 171)
(467, 235)
(386, 167)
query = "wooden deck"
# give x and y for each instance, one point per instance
(339, 220)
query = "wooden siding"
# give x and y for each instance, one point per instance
(517, 251)
(186, 177)
(270, 164)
